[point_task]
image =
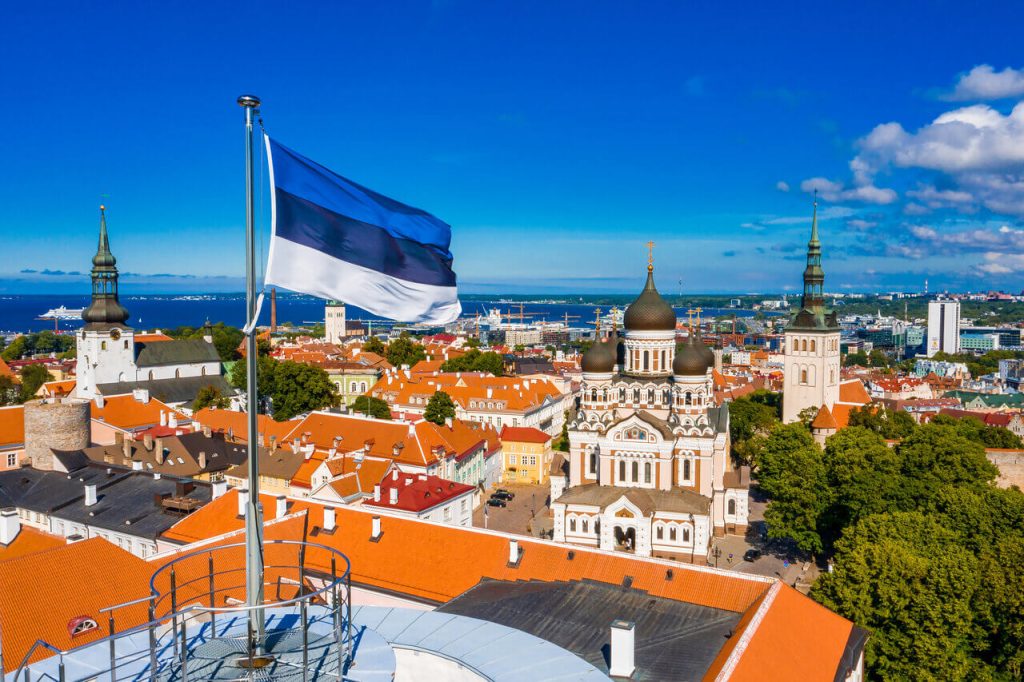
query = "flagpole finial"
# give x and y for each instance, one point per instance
(251, 101)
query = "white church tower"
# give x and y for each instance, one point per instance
(812, 342)
(334, 322)
(105, 345)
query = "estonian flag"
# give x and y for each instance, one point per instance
(338, 240)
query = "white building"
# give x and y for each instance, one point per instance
(334, 322)
(811, 343)
(943, 327)
(426, 497)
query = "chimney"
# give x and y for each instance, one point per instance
(393, 496)
(147, 440)
(273, 444)
(218, 489)
(282, 506)
(259, 439)
(163, 418)
(172, 419)
(448, 422)
(513, 553)
(329, 520)
(118, 437)
(158, 450)
(207, 431)
(376, 493)
(202, 461)
(126, 447)
(100, 401)
(243, 502)
(90, 494)
(10, 526)
(490, 392)
(375, 531)
(622, 646)
(273, 310)
(137, 465)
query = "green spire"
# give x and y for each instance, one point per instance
(814, 223)
(103, 258)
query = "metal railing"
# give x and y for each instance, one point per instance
(197, 625)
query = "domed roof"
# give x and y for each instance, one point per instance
(706, 353)
(650, 312)
(690, 360)
(600, 358)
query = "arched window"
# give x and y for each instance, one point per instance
(593, 462)
(666, 396)
(126, 344)
(803, 376)
(593, 395)
(647, 360)
(177, 374)
(604, 395)
(586, 526)
(686, 534)
(664, 360)
(812, 345)
(659, 532)
(672, 533)
(622, 395)
(686, 470)
(650, 395)
(203, 371)
(636, 395)
(730, 507)
(103, 345)
(572, 525)
(647, 472)
(636, 472)
(622, 471)
(804, 345)
(150, 375)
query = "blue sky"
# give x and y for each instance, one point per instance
(556, 138)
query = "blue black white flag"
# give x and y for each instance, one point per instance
(335, 239)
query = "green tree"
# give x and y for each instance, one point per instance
(10, 393)
(806, 416)
(439, 408)
(999, 606)
(750, 423)
(856, 359)
(475, 361)
(784, 440)
(905, 578)
(299, 388)
(32, 377)
(936, 455)
(974, 429)
(563, 440)
(375, 407)
(472, 342)
(374, 345)
(890, 424)
(210, 396)
(863, 474)
(878, 359)
(405, 351)
(17, 348)
(792, 475)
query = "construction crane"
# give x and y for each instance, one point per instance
(568, 317)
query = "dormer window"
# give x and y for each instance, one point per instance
(81, 625)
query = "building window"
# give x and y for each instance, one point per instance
(647, 360)
(812, 345)
(586, 526)
(12, 460)
(688, 398)
(686, 534)
(660, 533)
(636, 472)
(103, 345)
(572, 525)
(126, 344)
(686, 470)
(731, 508)
(593, 462)
(448, 513)
(647, 472)
(512, 459)
(803, 376)
(672, 534)
(622, 471)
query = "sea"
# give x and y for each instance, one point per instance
(149, 312)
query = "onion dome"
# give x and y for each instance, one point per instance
(650, 312)
(706, 353)
(599, 358)
(690, 360)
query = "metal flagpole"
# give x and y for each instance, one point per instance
(254, 513)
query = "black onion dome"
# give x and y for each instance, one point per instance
(705, 351)
(690, 360)
(650, 312)
(599, 359)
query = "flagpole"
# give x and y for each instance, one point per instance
(254, 513)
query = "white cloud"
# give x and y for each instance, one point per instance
(997, 263)
(983, 82)
(933, 197)
(782, 186)
(916, 209)
(860, 225)
(836, 191)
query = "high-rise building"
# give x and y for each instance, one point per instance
(943, 327)
(334, 322)
(812, 342)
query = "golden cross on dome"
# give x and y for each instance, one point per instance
(689, 313)
(615, 317)
(650, 255)
(597, 323)
(698, 310)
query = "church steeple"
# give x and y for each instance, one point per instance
(814, 276)
(105, 309)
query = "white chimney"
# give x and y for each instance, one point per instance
(218, 489)
(329, 519)
(243, 501)
(90, 494)
(393, 496)
(141, 395)
(513, 551)
(10, 526)
(490, 392)
(282, 506)
(375, 532)
(163, 418)
(100, 401)
(137, 465)
(172, 420)
(376, 493)
(622, 645)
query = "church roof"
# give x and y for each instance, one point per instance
(181, 390)
(181, 352)
(689, 360)
(649, 312)
(647, 500)
(824, 419)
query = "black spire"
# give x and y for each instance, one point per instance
(812, 314)
(105, 310)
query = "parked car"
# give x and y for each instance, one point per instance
(502, 495)
(752, 555)
(496, 502)
(504, 490)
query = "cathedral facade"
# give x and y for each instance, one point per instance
(112, 360)
(649, 465)
(811, 343)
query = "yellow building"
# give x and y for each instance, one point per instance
(527, 455)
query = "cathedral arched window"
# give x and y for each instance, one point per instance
(659, 532)
(203, 372)
(666, 396)
(622, 395)
(636, 472)
(647, 472)
(593, 462)
(636, 395)
(572, 525)
(686, 534)
(803, 376)
(804, 345)
(650, 395)
(586, 526)
(604, 395)
(687, 472)
(150, 375)
(593, 395)
(622, 471)
(730, 508)
(647, 360)
(812, 345)
(688, 398)
(672, 533)
(177, 374)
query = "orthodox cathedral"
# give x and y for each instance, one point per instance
(649, 464)
(113, 360)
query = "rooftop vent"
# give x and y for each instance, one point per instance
(623, 638)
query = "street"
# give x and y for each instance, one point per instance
(530, 503)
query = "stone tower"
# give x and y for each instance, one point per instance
(59, 425)
(812, 342)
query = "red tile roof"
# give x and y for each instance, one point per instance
(824, 419)
(127, 413)
(238, 424)
(12, 426)
(853, 391)
(417, 492)
(524, 434)
(29, 541)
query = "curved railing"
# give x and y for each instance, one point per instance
(197, 619)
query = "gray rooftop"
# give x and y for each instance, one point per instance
(648, 500)
(180, 352)
(674, 640)
(184, 389)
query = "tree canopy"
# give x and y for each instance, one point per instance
(404, 351)
(32, 377)
(226, 339)
(375, 407)
(291, 388)
(476, 361)
(39, 343)
(439, 408)
(210, 396)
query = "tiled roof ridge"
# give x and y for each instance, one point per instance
(748, 633)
